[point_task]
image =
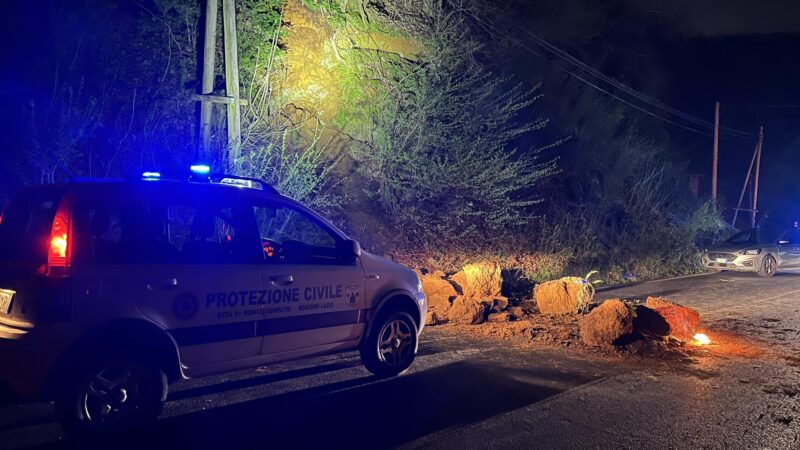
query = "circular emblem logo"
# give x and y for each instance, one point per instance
(185, 306)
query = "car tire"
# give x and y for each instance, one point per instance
(108, 397)
(391, 346)
(768, 266)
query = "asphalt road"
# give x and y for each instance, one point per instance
(466, 393)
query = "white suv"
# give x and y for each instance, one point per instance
(111, 289)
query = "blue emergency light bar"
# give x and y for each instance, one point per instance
(201, 173)
(200, 168)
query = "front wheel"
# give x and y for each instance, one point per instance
(109, 397)
(391, 345)
(768, 266)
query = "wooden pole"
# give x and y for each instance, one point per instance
(716, 154)
(232, 79)
(209, 54)
(758, 170)
(744, 187)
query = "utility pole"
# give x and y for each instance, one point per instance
(209, 53)
(758, 170)
(231, 98)
(232, 78)
(716, 156)
(755, 161)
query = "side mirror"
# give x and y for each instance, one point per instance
(355, 247)
(349, 249)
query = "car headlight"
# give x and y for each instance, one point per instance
(752, 251)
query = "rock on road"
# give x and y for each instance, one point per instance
(467, 393)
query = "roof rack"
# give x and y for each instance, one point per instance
(243, 182)
(216, 178)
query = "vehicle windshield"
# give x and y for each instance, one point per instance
(755, 236)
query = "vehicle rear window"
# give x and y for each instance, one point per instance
(27, 221)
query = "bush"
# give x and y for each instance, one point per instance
(298, 170)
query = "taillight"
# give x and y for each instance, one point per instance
(59, 253)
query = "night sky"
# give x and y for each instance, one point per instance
(740, 52)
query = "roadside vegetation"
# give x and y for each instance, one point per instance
(394, 118)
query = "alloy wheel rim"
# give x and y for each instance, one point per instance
(110, 394)
(396, 343)
(770, 263)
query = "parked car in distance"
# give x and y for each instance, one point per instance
(764, 251)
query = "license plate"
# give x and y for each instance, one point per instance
(5, 300)
(721, 260)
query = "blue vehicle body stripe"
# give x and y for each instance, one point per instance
(265, 327)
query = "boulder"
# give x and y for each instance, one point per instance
(467, 311)
(558, 297)
(439, 292)
(479, 280)
(681, 321)
(606, 324)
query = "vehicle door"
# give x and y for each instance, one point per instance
(313, 281)
(187, 262)
(789, 249)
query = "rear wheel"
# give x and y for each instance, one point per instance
(111, 396)
(768, 266)
(391, 346)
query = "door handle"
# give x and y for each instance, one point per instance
(281, 280)
(162, 285)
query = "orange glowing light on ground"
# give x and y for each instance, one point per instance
(701, 339)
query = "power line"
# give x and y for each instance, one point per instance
(638, 95)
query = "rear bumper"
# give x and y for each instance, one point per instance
(27, 357)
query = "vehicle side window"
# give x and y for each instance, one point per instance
(209, 234)
(291, 236)
(114, 233)
(168, 233)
